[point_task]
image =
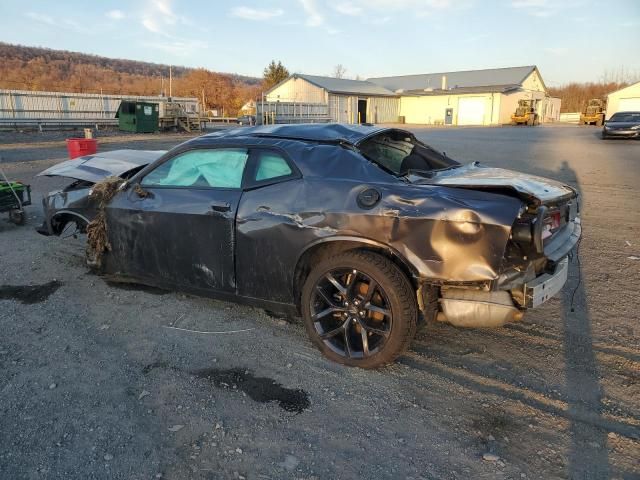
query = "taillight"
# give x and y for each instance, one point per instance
(529, 230)
(551, 224)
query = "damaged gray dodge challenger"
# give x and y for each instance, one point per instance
(363, 231)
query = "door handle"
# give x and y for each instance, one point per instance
(220, 206)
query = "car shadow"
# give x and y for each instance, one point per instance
(461, 356)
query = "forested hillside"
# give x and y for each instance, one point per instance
(32, 68)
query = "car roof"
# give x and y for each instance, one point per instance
(313, 132)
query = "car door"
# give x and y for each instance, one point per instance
(176, 227)
(268, 230)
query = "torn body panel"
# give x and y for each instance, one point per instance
(72, 204)
(93, 168)
(539, 190)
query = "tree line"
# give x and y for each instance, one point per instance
(42, 69)
(575, 96)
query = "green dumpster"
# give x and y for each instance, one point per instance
(138, 117)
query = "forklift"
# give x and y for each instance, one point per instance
(525, 114)
(593, 114)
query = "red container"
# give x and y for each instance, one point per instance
(77, 147)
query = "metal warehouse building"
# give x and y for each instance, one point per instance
(624, 100)
(475, 97)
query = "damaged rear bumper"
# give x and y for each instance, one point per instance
(478, 308)
(481, 307)
(546, 285)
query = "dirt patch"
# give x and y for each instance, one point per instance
(260, 389)
(29, 294)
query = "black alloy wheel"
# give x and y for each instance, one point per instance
(351, 313)
(359, 309)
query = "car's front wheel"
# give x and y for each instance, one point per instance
(359, 309)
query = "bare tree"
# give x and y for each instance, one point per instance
(620, 75)
(339, 71)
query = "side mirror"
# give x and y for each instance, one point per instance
(141, 192)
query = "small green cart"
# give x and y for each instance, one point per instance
(14, 196)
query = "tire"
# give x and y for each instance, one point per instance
(357, 332)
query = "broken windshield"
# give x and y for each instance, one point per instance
(399, 152)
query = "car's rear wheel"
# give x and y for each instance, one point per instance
(359, 309)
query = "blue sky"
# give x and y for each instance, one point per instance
(569, 40)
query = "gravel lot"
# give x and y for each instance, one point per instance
(93, 383)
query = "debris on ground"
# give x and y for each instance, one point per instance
(490, 457)
(143, 394)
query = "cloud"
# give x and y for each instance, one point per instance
(39, 17)
(348, 8)
(314, 17)
(408, 5)
(178, 47)
(545, 8)
(380, 20)
(115, 14)
(529, 3)
(60, 22)
(558, 51)
(159, 14)
(419, 8)
(249, 13)
(151, 25)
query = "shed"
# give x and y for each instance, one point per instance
(348, 101)
(138, 117)
(626, 99)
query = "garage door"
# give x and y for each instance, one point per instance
(629, 105)
(471, 111)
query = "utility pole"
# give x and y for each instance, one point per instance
(170, 81)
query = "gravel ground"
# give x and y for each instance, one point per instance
(94, 382)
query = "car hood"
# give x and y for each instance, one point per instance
(479, 177)
(621, 125)
(93, 168)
